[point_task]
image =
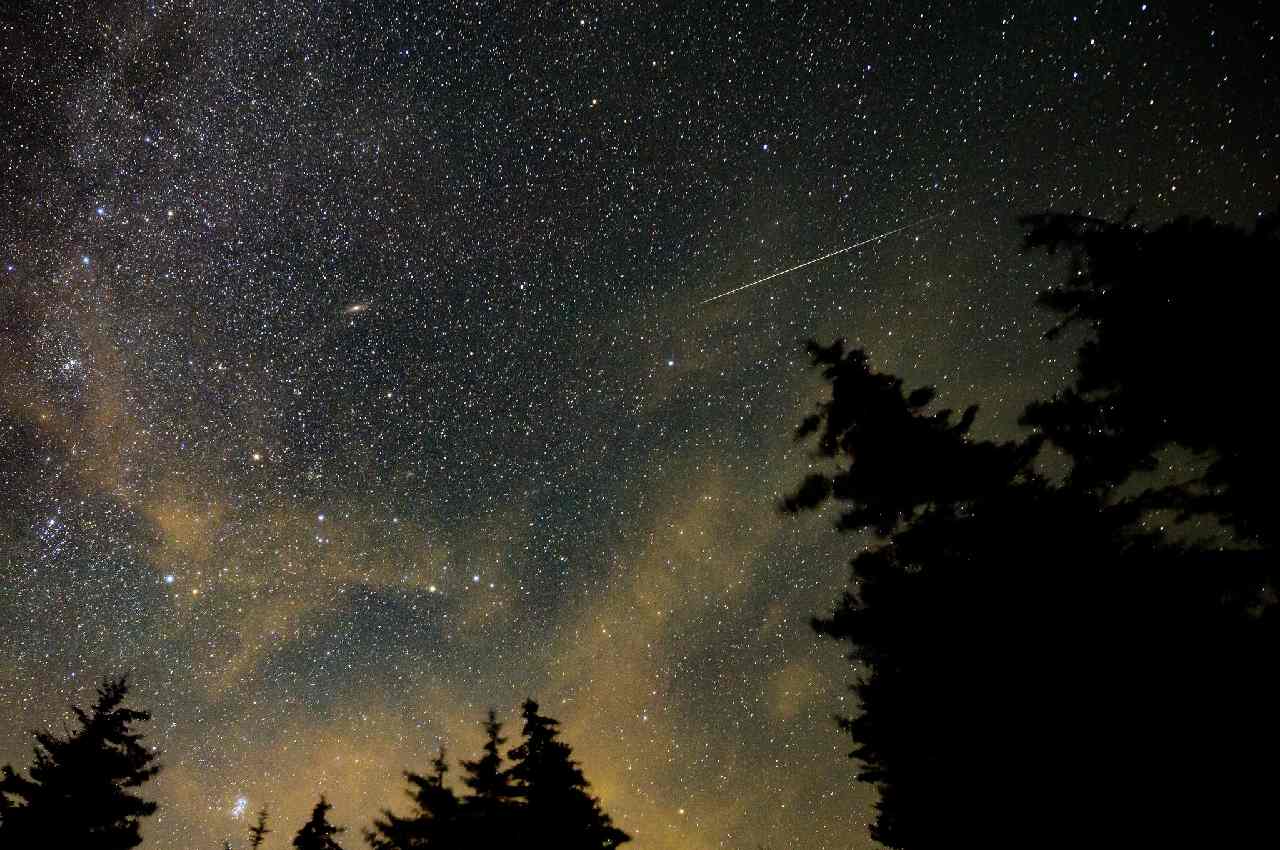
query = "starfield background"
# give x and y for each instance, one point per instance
(358, 373)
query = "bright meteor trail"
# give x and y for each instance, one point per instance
(845, 249)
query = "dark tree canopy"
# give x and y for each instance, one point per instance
(488, 814)
(79, 794)
(1178, 319)
(540, 801)
(907, 458)
(433, 823)
(558, 810)
(81, 788)
(318, 833)
(259, 832)
(1034, 657)
(489, 782)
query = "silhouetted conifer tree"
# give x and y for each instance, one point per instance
(558, 810)
(1038, 663)
(258, 832)
(1173, 374)
(487, 815)
(433, 825)
(486, 777)
(318, 833)
(80, 789)
(1177, 319)
(541, 801)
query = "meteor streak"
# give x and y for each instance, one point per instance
(843, 250)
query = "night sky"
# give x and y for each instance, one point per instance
(354, 375)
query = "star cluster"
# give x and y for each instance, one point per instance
(355, 375)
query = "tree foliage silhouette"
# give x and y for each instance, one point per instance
(558, 810)
(318, 833)
(1016, 636)
(1177, 316)
(540, 801)
(259, 832)
(80, 791)
(433, 823)
(488, 813)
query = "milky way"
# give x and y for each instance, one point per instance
(351, 380)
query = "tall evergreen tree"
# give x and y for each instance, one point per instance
(486, 777)
(1035, 658)
(433, 823)
(1174, 356)
(258, 832)
(1173, 375)
(946, 615)
(318, 833)
(81, 787)
(558, 810)
(487, 815)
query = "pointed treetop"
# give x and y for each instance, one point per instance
(259, 830)
(79, 789)
(558, 809)
(485, 776)
(317, 833)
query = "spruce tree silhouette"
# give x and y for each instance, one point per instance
(81, 787)
(318, 833)
(258, 832)
(1036, 660)
(558, 810)
(433, 825)
(1178, 316)
(488, 814)
(1177, 358)
(541, 801)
